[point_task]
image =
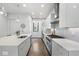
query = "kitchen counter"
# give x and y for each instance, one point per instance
(65, 47)
(12, 40)
(14, 46)
(67, 44)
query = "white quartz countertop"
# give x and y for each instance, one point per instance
(67, 44)
(11, 40)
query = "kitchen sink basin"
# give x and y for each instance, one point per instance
(55, 36)
(22, 36)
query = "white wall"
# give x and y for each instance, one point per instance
(15, 26)
(69, 15)
(3, 26)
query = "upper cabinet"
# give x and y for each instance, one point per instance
(55, 16)
(69, 15)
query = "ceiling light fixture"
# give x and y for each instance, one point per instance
(24, 5)
(17, 20)
(41, 13)
(33, 13)
(1, 12)
(42, 5)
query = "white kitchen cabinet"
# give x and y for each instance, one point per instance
(57, 50)
(64, 47)
(24, 47)
(69, 14)
(9, 51)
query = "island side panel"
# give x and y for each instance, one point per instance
(23, 48)
(8, 51)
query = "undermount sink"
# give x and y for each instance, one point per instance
(22, 36)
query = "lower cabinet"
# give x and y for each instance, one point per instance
(24, 48)
(8, 51)
(58, 50)
(12, 50)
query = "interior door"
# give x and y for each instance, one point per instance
(36, 32)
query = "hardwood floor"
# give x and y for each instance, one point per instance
(38, 48)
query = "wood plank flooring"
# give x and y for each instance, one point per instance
(38, 48)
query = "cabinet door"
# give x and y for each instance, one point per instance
(24, 47)
(69, 15)
(27, 46)
(21, 49)
(57, 50)
(9, 51)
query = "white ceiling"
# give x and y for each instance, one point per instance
(33, 9)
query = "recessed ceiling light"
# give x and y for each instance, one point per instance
(42, 5)
(17, 20)
(74, 6)
(1, 12)
(41, 13)
(24, 5)
(33, 13)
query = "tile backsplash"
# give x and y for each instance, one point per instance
(69, 33)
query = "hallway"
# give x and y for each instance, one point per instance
(38, 48)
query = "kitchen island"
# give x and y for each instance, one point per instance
(14, 46)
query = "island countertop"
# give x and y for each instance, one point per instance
(67, 44)
(12, 40)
